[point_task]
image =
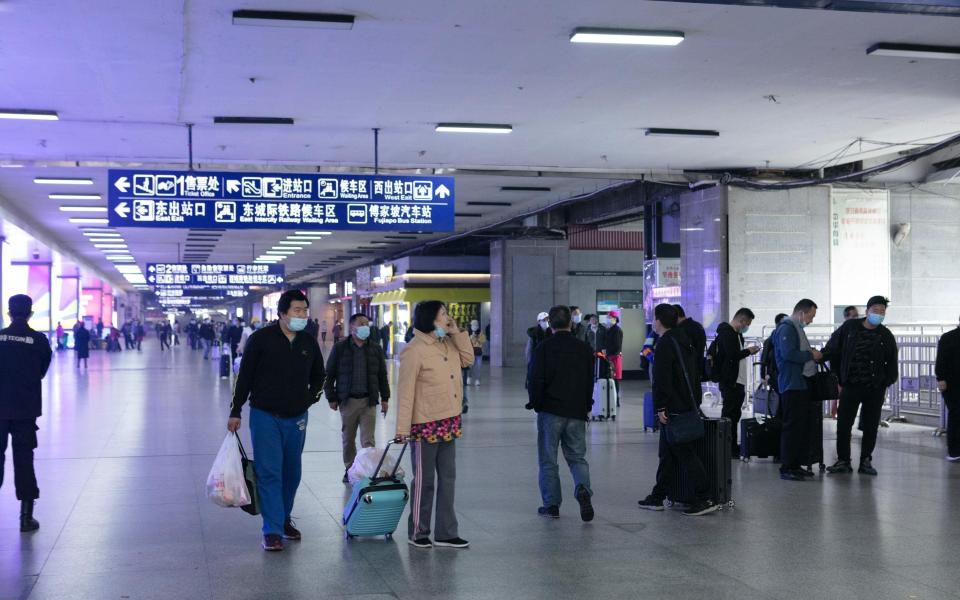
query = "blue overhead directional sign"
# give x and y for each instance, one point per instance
(228, 200)
(213, 276)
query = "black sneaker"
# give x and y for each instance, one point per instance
(421, 543)
(866, 467)
(840, 467)
(272, 543)
(290, 532)
(454, 543)
(586, 507)
(701, 508)
(807, 472)
(792, 475)
(552, 512)
(651, 503)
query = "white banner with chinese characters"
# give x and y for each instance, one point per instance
(859, 245)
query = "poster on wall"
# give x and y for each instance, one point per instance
(859, 245)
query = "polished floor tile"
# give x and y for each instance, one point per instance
(125, 448)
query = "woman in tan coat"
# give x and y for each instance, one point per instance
(428, 415)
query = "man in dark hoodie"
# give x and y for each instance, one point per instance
(674, 393)
(696, 334)
(733, 368)
(863, 353)
(561, 391)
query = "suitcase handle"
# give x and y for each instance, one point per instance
(396, 465)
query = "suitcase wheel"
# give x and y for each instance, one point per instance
(823, 467)
(730, 504)
(613, 418)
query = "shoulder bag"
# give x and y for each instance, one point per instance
(824, 385)
(685, 427)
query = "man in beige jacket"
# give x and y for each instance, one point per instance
(428, 415)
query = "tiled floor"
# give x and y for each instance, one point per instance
(125, 449)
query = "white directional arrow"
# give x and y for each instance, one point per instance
(442, 191)
(152, 278)
(233, 186)
(279, 279)
(152, 269)
(123, 210)
(123, 184)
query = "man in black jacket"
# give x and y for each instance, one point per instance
(947, 371)
(282, 374)
(561, 391)
(734, 370)
(578, 328)
(356, 382)
(24, 360)
(674, 393)
(863, 354)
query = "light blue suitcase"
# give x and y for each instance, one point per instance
(377, 503)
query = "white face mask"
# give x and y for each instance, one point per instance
(544, 325)
(577, 319)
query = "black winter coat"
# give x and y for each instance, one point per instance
(670, 389)
(561, 377)
(842, 345)
(340, 372)
(729, 353)
(948, 360)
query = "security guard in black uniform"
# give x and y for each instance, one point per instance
(24, 359)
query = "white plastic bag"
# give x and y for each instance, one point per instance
(366, 462)
(226, 485)
(236, 364)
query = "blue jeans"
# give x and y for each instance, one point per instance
(571, 435)
(277, 449)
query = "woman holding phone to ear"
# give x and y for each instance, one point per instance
(428, 415)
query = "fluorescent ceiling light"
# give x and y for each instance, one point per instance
(312, 233)
(11, 166)
(281, 18)
(31, 115)
(95, 209)
(280, 252)
(89, 220)
(914, 51)
(128, 268)
(101, 234)
(691, 229)
(294, 243)
(62, 181)
(135, 278)
(305, 237)
(105, 239)
(75, 196)
(109, 246)
(473, 128)
(634, 37)
(670, 132)
(120, 258)
(253, 121)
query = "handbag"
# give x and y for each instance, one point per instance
(477, 351)
(250, 476)
(824, 385)
(685, 427)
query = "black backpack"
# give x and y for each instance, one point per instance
(711, 363)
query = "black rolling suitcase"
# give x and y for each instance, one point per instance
(713, 449)
(225, 365)
(760, 437)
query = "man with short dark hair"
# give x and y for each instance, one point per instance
(561, 391)
(282, 374)
(675, 393)
(596, 333)
(851, 312)
(24, 359)
(356, 381)
(734, 370)
(863, 354)
(947, 371)
(796, 364)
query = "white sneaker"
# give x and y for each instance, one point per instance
(953, 458)
(476, 382)
(468, 381)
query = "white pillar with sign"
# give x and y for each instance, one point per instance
(859, 245)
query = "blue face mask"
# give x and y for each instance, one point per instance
(440, 332)
(298, 323)
(874, 319)
(363, 332)
(745, 330)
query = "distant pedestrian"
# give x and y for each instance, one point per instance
(81, 344)
(947, 371)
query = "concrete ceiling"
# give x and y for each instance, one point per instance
(126, 76)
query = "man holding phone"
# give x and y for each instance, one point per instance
(356, 382)
(734, 368)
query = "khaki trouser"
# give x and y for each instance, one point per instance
(356, 413)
